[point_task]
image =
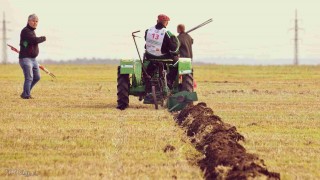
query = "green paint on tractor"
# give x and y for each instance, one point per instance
(156, 90)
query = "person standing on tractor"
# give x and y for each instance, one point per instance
(186, 42)
(29, 50)
(161, 44)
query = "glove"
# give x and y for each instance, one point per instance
(43, 38)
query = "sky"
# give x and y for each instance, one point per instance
(242, 32)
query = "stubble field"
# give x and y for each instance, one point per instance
(73, 130)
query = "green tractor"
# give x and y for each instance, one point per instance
(153, 87)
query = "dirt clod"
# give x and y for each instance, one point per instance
(168, 148)
(225, 157)
(255, 90)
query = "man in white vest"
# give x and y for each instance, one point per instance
(161, 44)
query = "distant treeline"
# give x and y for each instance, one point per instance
(81, 61)
(201, 61)
(89, 61)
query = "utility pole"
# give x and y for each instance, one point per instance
(4, 41)
(296, 39)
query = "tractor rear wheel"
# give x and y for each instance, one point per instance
(123, 90)
(187, 82)
(154, 97)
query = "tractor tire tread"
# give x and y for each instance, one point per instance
(187, 82)
(123, 84)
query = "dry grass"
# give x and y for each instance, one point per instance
(72, 129)
(276, 108)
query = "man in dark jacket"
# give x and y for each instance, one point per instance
(186, 42)
(29, 50)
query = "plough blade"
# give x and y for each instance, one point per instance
(180, 100)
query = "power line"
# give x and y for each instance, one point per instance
(296, 39)
(4, 41)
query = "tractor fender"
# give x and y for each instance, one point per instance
(127, 66)
(184, 66)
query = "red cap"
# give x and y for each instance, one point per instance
(163, 17)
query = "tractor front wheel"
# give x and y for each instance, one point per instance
(187, 82)
(123, 90)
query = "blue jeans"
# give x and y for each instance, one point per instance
(31, 73)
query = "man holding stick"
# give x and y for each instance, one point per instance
(186, 42)
(29, 50)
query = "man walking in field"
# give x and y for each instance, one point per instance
(186, 42)
(29, 50)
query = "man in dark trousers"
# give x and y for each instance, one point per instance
(29, 50)
(186, 42)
